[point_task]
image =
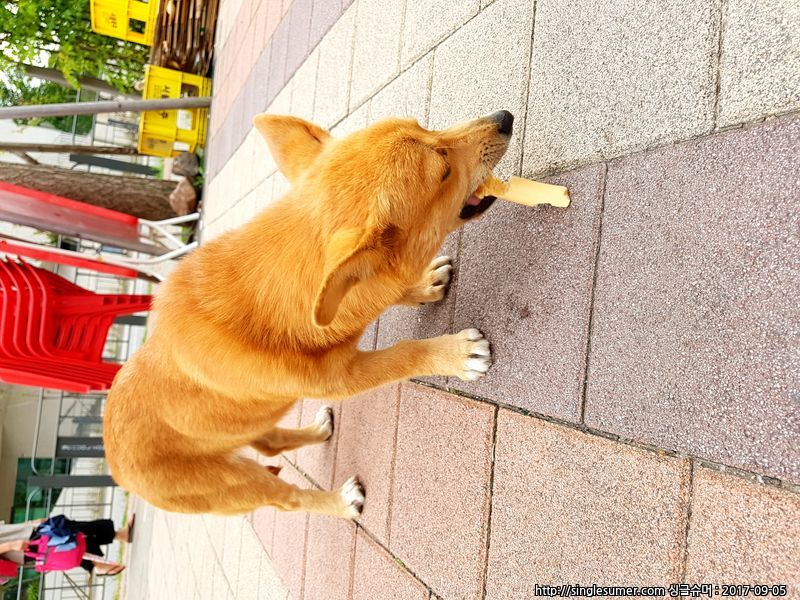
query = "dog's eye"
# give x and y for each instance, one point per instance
(446, 173)
(443, 153)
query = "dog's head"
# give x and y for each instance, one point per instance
(387, 195)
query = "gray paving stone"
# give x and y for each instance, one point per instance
(335, 59)
(324, 14)
(611, 77)
(376, 55)
(279, 48)
(525, 280)
(427, 23)
(299, 17)
(261, 75)
(483, 67)
(695, 344)
(760, 62)
(406, 96)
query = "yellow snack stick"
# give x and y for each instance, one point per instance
(524, 191)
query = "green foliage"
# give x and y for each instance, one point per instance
(33, 590)
(57, 34)
(20, 90)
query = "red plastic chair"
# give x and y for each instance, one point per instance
(53, 332)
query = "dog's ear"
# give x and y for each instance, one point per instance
(294, 143)
(351, 255)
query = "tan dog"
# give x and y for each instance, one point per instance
(272, 312)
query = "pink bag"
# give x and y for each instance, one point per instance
(50, 558)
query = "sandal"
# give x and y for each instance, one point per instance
(115, 570)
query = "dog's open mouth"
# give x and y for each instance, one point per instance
(476, 206)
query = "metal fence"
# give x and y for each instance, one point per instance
(80, 415)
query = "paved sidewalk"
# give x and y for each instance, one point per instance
(641, 424)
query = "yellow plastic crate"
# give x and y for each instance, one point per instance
(129, 20)
(170, 132)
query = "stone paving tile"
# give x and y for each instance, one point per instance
(270, 586)
(260, 82)
(376, 53)
(263, 519)
(498, 42)
(324, 14)
(697, 281)
(231, 549)
(289, 540)
(427, 23)
(406, 96)
(367, 427)
(304, 88)
(251, 555)
(352, 122)
(572, 507)
(759, 71)
(608, 78)
(317, 461)
(279, 48)
(430, 320)
(335, 58)
(377, 575)
(525, 280)
(741, 532)
(367, 341)
(330, 550)
(440, 438)
(299, 17)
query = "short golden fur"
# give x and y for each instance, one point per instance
(272, 312)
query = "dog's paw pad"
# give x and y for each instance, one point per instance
(353, 494)
(324, 421)
(478, 354)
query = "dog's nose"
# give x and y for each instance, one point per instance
(504, 120)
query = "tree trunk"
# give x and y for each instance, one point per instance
(137, 196)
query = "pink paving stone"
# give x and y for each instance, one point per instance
(570, 507)
(440, 497)
(263, 519)
(330, 551)
(367, 426)
(317, 461)
(289, 539)
(273, 18)
(260, 23)
(742, 532)
(377, 575)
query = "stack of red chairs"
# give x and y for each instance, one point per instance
(52, 332)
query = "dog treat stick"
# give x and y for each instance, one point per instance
(524, 191)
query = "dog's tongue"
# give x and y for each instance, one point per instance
(473, 200)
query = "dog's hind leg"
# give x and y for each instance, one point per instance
(237, 485)
(278, 439)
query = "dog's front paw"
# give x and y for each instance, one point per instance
(433, 285)
(324, 422)
(475, 355)
(352, 493)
